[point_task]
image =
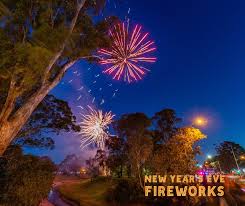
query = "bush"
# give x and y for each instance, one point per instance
(24, 179)
(126, 191)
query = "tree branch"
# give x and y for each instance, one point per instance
(26, 110)
(61, 73)
(9, 103)
(4, 10)
(57, 56)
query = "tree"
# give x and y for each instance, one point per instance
(52, 115)
(40, 40)
(165, 123)
(101, 158)
(225, 155)
(93, 168)
(134, 128)
(70, 165)
(24, 179)
(177, 156)
(117, 156)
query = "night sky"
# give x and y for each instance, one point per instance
(199, 71)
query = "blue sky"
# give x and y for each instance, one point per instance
(199, 71)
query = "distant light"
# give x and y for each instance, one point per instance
(200, 121)
(198, 165)
(209, 156)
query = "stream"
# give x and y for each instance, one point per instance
(56, 200)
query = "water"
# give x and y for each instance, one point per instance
(55, 199)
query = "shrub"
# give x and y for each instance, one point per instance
(24, 179)
(126, 191)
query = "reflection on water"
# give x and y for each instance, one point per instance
(55, 199)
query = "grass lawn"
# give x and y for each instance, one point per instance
(87, 193)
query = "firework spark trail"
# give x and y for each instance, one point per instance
(80, 96)
(102, 102)
(94, 128)
(128, 51)
(81, 88)
(93, 93)
(95, 98)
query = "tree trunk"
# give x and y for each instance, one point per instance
(12, 126)
(139, 176)
(121, 171)
(9, 103)
(6, 132)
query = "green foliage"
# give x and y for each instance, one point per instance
(178, 154)
(31, 62)
(6, 55)
(33, 31)
(93, 168)
(126, 191)
(132, 124)
(133, 151)
(165, 123)
(132, 146)
(150, 146)
(87, 193)
(117, 159)
(51, 115)
(24, 179)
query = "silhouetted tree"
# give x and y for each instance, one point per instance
(133, 148)
(101, 159)
(135, 129)
(117, 159)
(51, 116)
(165, 125)
(225, 155)
(93, 168)
(70, 165)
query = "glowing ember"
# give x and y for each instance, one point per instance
(128, 52)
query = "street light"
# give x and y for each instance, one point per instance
(200, 121)
(242, 157)
(217, 161)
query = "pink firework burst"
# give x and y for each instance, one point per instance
(128, 53)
